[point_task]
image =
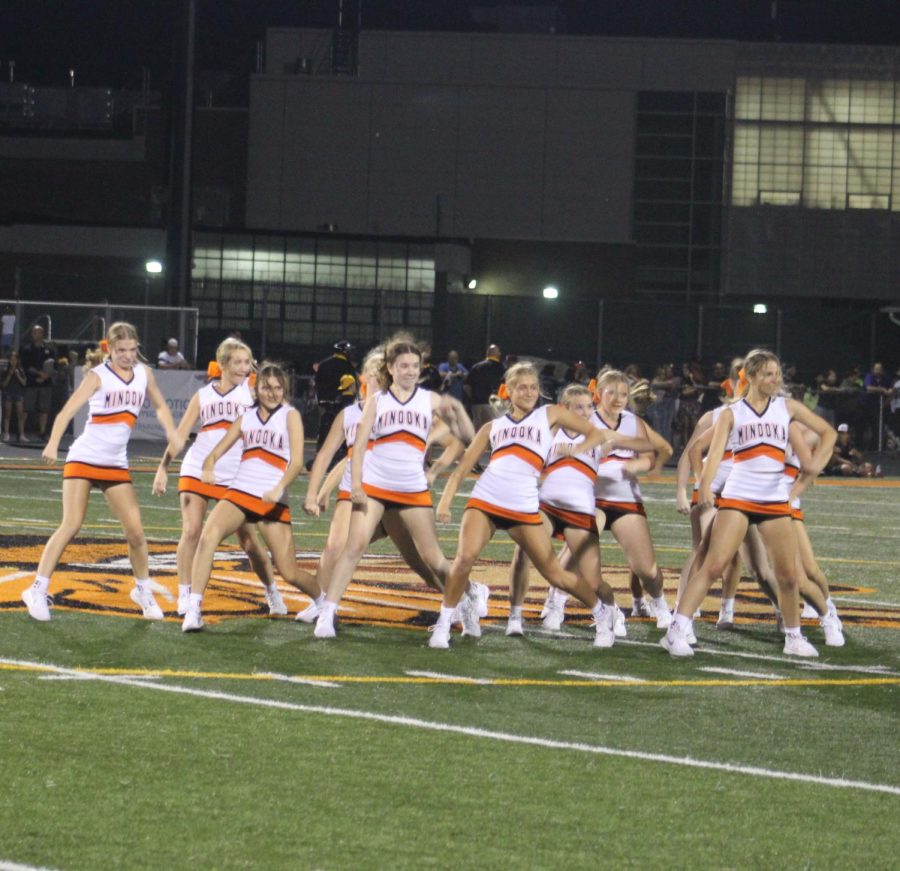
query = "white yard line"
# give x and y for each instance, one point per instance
(15, 866)
(450, 678)
(15, 576)
(592, 675)
(760, 675)
(487, 734)
(287, 678)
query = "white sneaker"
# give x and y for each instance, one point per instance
(620, 630)
(554, 615)
(675, 641)
(515, 627)
(689, 635)
(663, 617)
(808, 612)
(184, 602)
(833, 628)
(468, 611)
(643, 609)
(38, 604)
(147, 603)
(325, 624)
(605, 635)
(193, 620)
(797, 645)
(548, 601)
(440, 636)
(726, 618)
(309, 614)
(481, 593)
(274, 601)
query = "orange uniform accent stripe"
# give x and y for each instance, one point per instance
(274, 511)
(695, 497)
(571, 518)
(775, 509)
(623, 507)
(119, 417)
(422, 498)
(490, 509)
(791, 471)
(343, 496)
(95, 473)
(522, 453)
(760, 451)
(187, 484)
(728, 455)
(797, 514)
(279, 463)
(572, 463)
(406, 437)
(220, 424)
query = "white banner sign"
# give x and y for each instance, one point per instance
(176, 385)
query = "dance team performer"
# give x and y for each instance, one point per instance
(216, 405)
(506, 497)
(272, 439)
(388, 484)
(114, 391)
(566, 507)
(618, 502)
(756, 492)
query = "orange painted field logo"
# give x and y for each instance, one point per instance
(95, 577)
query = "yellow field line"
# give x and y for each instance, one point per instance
(498, 682)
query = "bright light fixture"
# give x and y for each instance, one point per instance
(760, 308)
(550, 292)
(473, 283)
(153, 266)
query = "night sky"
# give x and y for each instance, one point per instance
(107, 42)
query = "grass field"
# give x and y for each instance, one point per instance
(126, 744)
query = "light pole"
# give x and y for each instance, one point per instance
(151, 267)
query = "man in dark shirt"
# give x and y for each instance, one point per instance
(483, 381)
(336, 385)
(38, 362)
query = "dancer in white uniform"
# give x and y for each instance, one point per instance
(388, 484)
(115, 392)
(506, 497)
(567, 510)
(272, 457)
(755, 492)
(619, 503)
(216, 406)
(343, 431)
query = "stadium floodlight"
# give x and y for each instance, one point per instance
(550, 292)
(154, 267)
(760, 308)
(473, 283)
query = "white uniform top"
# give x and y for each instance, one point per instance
(519, 450)
(759, 442)
(266, 452)
(113, 409)
(569, 480)
(612, 484)
(726, 463)
(395, 458)
(352, 415)
(791, 472)
(217, 412)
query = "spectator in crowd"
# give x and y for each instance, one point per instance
(171, 358)
(7, 330)
(577, 373)
(453, 376)
(688, 412)
(429, 375)
(38, 362)
(666, 385)
(878, 391)
(895, 405)
(336, 386)
(792, 383)
(484, 381)
(713, 391)
(633, 374)
(829, 391)
(12, 386)
(61, 384)
(847, 460)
